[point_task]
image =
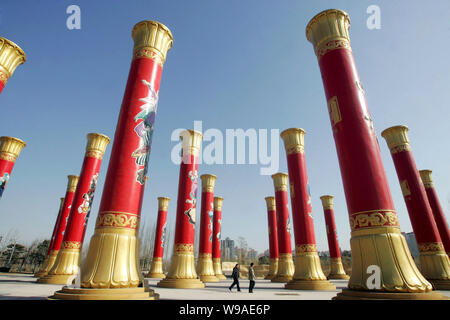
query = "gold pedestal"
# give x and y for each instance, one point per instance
(65, 268)
(386, 248)
(273, 268)
(182, 269)
(285, 268)
(337, 269)
(156, 270)
(217, 266)
(205, 269)
(139, 293)
(348, 294)
(47, 264)
(435, 266)
(308, 271)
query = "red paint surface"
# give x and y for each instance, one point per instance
(439, 217)
(333, 244)
(61, 228)
(217, 221)
(284, 237)
(158, 250)
(273, 233)
(206, 225)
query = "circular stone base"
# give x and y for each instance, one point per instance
(348, 294)
(156, 275)
(40, 274)
(440, 284)
(310, 285)
(221, 277)
(181, 283)
(281, 279)
(209, 279)
(57, 279)
(138, 293)
(338, 276)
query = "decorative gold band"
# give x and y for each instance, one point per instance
(294, 140)
(373, 218)
(3, 76)
(163, 203)
(304, 248)
(96, 145)
(94, 154)
(280, 181)
(397, 149)
(218, 201)
(208, 182)
(72, 183)
(191, 142)
(72, 245)
(332, 45)
(11, 56)
(271, 203)
(157, 259)
(7, 157)
(117, 219)
(10, 147)
(183, 248)
(397, 138)
(285, 256)
(431, 247)
(427, 180)
(150, 53)
(205, 256)
(327, 202)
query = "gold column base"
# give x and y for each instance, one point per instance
(182, 269)
(112, 260)
(273, 268)
(285, 268)
(386, 248)
(324, 285)
(156, 270)
(47, 264)
(138, 293)
(65, 268)
(435, 265)
(308, 271)
(217, 266)
(348, 294)
(337, 270)
(205, 269)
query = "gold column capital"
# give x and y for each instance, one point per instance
(10, 148)
(192, 141)
(218, 201)
(327, 201)
(427, 180)
(280, 181)
(152, 40)
(72, 183)
(11, 56)
(163, 203)
(271, 204)
(328, 30)
(397, 138)
(294, 140)
(208, 182)
(96, 145)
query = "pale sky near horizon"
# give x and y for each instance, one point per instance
(233, 64)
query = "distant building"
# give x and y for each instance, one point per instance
(228, 250)
(412, 244)
(252, 254)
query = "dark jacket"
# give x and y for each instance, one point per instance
(235, 274)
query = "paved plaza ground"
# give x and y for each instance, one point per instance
(24, 287)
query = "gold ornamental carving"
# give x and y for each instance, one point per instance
(72, 245)
(405, 188)
(327, 202)
(375, 218)
(397, 138)
(10, 148)
(427, 180)
(271, 204)
(294, 140)
(208, 182)
(191, 142)
(117, 220)
(72, 183)
(11, 56)
(303, 248)
(280, 181)
(3, 77)
(430, 247)
(183, 248)
(328, 30)
(163, 203)
(218, 201)
(96, 145)
(334, 110)
(151, 40)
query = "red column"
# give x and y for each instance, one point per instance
(336, 267)
(111, 261)
(308, 271)
(11, 56)
(217, 225)
(10, 149)
(182, 272)
(438, 212)
(156, 269)
(51, 255)
(273, 236)
(373, 219)
(285, 262)
(67, 262)
(434, 262)
(61, 224)
(205, 269)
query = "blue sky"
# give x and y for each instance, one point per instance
(234, 64)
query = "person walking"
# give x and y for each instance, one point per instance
(251, 277)
(235, 276)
